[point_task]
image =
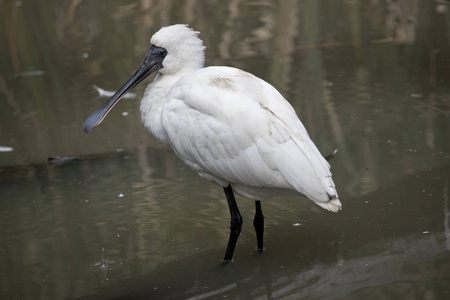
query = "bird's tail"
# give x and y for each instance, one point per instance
(333, 205)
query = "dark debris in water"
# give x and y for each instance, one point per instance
(58, 160)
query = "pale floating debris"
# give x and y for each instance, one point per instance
(296, 224)
(125, 113)
(426, 232)
(416, 95)
(104, 93)
(86, 201)
(6, 149)
(119, 150)
(30, 73)
(120, 195)
(85, 55)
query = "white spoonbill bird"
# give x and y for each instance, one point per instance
(228, 125)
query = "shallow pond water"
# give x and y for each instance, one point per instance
(126, 219)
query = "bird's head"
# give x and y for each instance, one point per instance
(184, 49)
(174, 49)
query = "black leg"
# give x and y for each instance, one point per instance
(235, 224)
(258, 223)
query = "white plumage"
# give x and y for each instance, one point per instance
(228, 125)
(231, 126)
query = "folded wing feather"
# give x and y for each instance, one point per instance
(232, 127)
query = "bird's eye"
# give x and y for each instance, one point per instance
(162, 52)
(157, 51)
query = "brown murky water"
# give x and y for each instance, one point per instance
(129, 221)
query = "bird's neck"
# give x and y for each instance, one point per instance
(153, 101)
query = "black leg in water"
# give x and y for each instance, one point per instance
(235, 224)
(258, 223)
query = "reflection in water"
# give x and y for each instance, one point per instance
(352, 279)
(447, 215)
(367, 77)
(163, 237)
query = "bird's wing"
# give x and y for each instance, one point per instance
(233, 127)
